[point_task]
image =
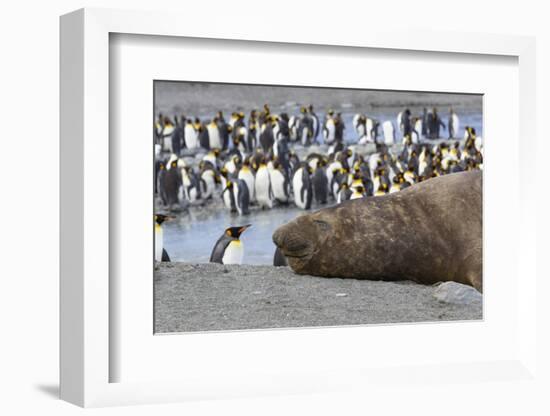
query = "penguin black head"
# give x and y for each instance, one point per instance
(235, 232)
(174, 164)
(331, 112)
(162, 165)
(160, 218)
(303, 110)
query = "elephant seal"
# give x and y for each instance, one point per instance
(428, 233)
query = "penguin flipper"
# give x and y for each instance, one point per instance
(165, 257)
(219, 250)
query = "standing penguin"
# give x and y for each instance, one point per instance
(190, 183)
(329, 128)
(246, 174)
(242, 197)
(266, 136)
(191, 135)
(264, 193)
(168, 129)
(279, 183)
(229, 248)
(214, 135)
(228, 196)
(389, 132)
(316, 125)
(303, 190)
(453, 124)
(171, 183)
(320, 183)
(160, 252)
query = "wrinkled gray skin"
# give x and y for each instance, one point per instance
(427, 233)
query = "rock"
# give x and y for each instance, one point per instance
(452, 292)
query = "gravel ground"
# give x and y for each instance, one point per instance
(214, 297)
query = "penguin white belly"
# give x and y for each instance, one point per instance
(278, 186)
(231, 167)
(227, 196)
(248, 177)
(330, 131)
(263, 188)
(478, 143)
(394, 188)
(158, 242)
(191, 137)
(214, 137)
(305, 132)
(389, 134)
(297, 185)
(399, 118)
(456, 125)
(418, 130)
(167, 139)
(368, 127)
(233, 253)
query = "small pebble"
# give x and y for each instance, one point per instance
(341, 295)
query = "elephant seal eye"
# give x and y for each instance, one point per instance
(323, 225)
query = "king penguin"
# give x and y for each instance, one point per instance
(229, 248)
(262, 185)
(303, 188)
(160, 252)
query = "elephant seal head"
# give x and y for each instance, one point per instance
(304, 239)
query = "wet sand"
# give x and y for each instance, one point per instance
(213, 297)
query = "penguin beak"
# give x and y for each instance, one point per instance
(243, 228)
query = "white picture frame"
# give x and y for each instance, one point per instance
(87, 305)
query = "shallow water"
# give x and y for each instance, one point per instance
(192, 235)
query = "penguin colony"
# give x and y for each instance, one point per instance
(252, 161)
